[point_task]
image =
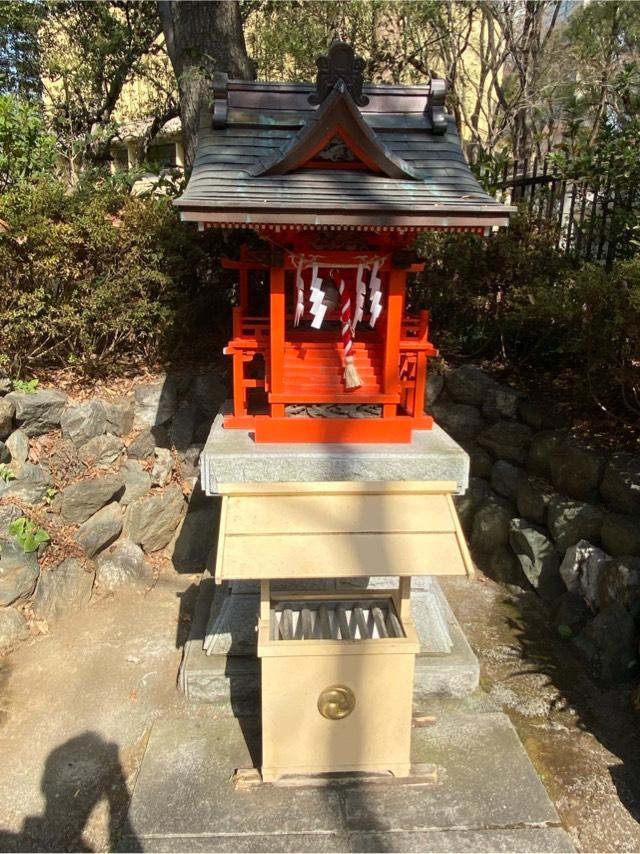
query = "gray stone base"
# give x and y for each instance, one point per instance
(488, 796)
(220, 664)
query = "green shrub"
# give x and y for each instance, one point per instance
(26, 149)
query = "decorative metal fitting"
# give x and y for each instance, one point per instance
(340, 63)
(336, 702)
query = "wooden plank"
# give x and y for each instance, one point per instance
(462, 542)
(341, 487)
(302, 514)
(341, 555)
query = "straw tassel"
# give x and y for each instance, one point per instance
(351, 377)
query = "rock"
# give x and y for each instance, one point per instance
(5, 386)
(621, 534)
(576, 471)
(570, 521)
(460, 421)
(540, 415)
(63, 590)
(468, 385)
(538, 558)
(197, 536)
(620, 485)
(582, 569)
(190, 464)
(8, 514)
(570, 615)
(18, 445)
(38, 413)
(620, 582)
(209, 393)
(467, 504)
(84, 421)
(81, 500)
(123, 565)
(162, 467)
(18, 573)
(435, 384)
(533, 498)
(7, 412)
(101, 451)
(142, 446)
(504, 479)
(31, 484)
(183, 427)
(609, 644)
(490, 528)
(507, 440)
(542, 446)
(119, 415)
(13, 628)
(155, 403)
(501, 401)
(5, 453)
(137, 481)
(480, 463)
(152, 521)
(101, 529)
(505, 567)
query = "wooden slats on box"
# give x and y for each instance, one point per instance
(337, 532)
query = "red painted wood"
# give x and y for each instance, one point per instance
(332, 430)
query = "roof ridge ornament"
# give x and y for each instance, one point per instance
(341, 63)
(434, 109)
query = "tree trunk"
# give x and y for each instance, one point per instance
(202, 37)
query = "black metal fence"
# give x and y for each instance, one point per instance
(596, 218)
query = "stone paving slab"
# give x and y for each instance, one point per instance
(232, 456)
(489, 797)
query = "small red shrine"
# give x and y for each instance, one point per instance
(338, 179)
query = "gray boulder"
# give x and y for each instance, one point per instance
(540, 415)
(571, 521)
(81, 500)
(480, 463)
(467, 504)
(123, 565)
(190, 464)
(620, 485)
(84, 421)
(490, 528)
(137, 481)
(505, 567)
(538, 558)
(620, 582)
(101, 451)
(162, 467)
(576, 471)
(570, 615)
(468, 385)
(155, 403)
(31, 484)
(183, 427)
(507, 440)
(101, 529)
(539, 457)
(151, 522)
(5, 453)
(7, 412)
(209, 392)
(18, 573)
(142, 447)
(119, 414)
(8, 514)
(13, 628)
(533, 498)
(621, 534)
(5, 385)
(38, 413)
(501, 401)
(504, 479)
(462, 422)
(196, 537)
(435, 384)
(609, 644)
(582, 569)
(63, 590)
(18, 445)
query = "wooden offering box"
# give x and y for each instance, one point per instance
(338, 667)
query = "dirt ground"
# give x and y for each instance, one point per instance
(76, 708)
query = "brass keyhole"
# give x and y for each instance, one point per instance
(336, 702)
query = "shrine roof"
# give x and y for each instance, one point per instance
(270, 153)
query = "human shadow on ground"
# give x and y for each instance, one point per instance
(604, 711)
(77, 776)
